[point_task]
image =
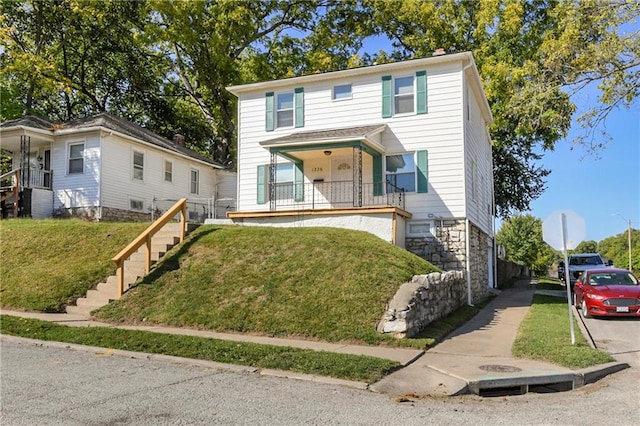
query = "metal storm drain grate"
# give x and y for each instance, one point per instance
(500, 368)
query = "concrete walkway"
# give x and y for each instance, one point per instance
(476, 358)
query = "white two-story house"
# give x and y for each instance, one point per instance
(400, 150)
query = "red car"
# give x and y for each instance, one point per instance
(607, 292)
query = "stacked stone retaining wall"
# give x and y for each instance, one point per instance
(423, 300)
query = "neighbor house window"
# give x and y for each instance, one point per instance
(168, 171)
(136, 204)
(342, 92)
(407, 172)
(404, 95)
(195, 181)
(284, 109)
(138, 165)
(76, 158)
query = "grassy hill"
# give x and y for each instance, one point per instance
(324, 283)
(47, 264)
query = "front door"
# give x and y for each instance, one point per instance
(342, 181)
(47, 168)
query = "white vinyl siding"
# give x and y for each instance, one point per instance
(76, 189)
(118, 187)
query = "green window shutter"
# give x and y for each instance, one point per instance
(262, 183)
(387, 96)
(421, 92)
(270, 106)
(299, 107)
(298, 179)
(423, 171)
(378, 183)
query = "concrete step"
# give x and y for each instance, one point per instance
(107, 289)
(92, 302)
(140, 256)
(83, 309)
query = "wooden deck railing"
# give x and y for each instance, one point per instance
(145, 238)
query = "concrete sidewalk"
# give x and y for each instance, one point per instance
(476, 358)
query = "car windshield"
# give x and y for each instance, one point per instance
(619, 278)
(586, 260)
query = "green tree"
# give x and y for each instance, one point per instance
(521, 235)
(616, 248)
(589, 246)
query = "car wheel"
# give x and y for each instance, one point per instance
(584, 310)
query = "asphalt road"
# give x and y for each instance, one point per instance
(620, 336)
(56, 386)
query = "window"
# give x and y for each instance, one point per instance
(289, 180)
(420, 229)
(400, 173)
(76, 158)
(403, 173)
(138, 165)
(342, 92)
(195, 181)
(403, 95)
(136, 204)
(168, 171)
(284, 109)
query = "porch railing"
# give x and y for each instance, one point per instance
(37, 178)
(337, 194)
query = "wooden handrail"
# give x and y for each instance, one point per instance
(145, 238)
(15, 191)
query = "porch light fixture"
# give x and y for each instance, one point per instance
(327, 153)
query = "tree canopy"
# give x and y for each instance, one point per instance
(165, 64)
(521, 235)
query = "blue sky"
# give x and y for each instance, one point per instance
(600, 190)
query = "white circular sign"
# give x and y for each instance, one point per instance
(563, 229)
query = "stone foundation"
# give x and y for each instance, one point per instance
(447, 250)
(423, 300)
(108, 214)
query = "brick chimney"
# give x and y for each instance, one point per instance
(178, 139)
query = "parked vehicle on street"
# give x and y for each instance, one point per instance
(581, 262)
(607, 292)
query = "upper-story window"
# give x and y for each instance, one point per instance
(341, 92)
(285, 109)
(404, 94)
(76, 158)
(138, 165)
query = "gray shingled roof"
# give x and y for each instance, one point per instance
(342, 134)
(111, 122)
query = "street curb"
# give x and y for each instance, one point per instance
(183, 361)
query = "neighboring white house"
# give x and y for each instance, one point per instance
(400, 150)
(107, 168)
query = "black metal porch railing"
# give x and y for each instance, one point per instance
(337, 194)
